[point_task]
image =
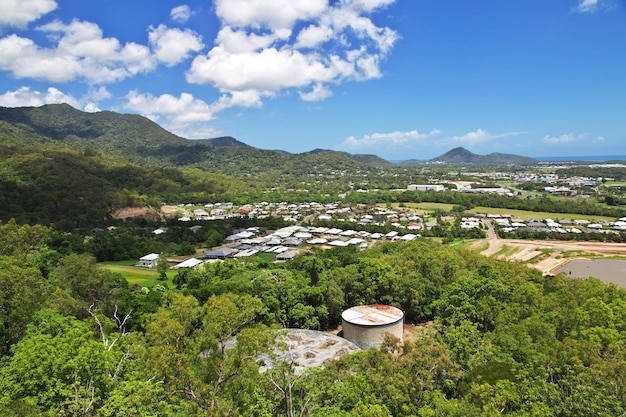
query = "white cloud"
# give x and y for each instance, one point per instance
(318, 93)
(237, 41)
(181, 14)
(591, 6)
(264, 48)
(598, 140)
(555, 140)
(176, 114)
(172, 46)
(247, 98)
(20, 13)
(313, 35)
(25, 97)
(371, 5)
(270, 69)
(91, 107)
(585, 6)
(481, 136)
(261, 49)
(274, 14)
(81, 52)
(394, 140)
(97, 94)
(472, 138)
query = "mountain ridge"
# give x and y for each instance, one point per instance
(144, 141)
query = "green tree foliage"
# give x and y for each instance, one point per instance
(494, 337)
(58, 368)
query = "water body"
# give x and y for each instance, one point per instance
(606, 270)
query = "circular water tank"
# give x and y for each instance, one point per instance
(366, 326)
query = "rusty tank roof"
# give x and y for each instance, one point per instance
(372, 315)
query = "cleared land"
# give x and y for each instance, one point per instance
(538, 215)
(547, 255)
(144, 277)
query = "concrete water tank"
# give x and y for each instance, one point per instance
(366, 326)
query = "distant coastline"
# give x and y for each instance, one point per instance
(595, 158)
(586, 158)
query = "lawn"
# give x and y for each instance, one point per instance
(144, 277)
(267, 257)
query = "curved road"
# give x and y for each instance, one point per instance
(525, 250)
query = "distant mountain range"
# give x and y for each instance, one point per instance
(140, 140)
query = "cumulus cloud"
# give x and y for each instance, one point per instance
(267, 46)
(555, 140)
(25, 97)
(472, 138)
(20, 13)
(264, 48)
(591, 6)
(181, 14)
(273, 14)
(397, 139)
(481, 136)
(172, 46)
(318, 93)
(586, 6)
(97, 94)
(81, 52)
(91, 108)
(174, 113)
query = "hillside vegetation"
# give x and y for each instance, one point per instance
(140, 140)
(485, 337)
(496, 338)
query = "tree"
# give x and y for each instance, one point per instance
(162, 266)
(58, 367)
(23, 291)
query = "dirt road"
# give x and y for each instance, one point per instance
(545, 255)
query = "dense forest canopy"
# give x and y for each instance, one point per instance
(495, 338)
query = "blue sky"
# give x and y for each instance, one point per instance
(401, 79)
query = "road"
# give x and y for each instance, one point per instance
(545, 261)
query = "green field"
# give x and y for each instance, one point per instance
(428, 206)
(522, 214)
(537, 215)
(144, 277)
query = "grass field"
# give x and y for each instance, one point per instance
(522, 214)
(427, 206)
(144, 277)
(538, 215)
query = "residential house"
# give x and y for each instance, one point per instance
(149, 261)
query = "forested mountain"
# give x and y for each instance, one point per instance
(140, 140)
(461, 155)
(68, 168)
(68, 188)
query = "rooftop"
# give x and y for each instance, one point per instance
(372, 315)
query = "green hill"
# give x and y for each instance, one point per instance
(461, 155)
(66, 167)
(142, 141)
